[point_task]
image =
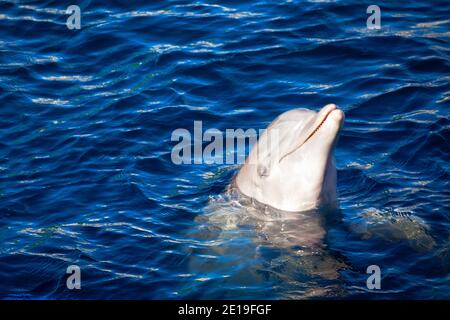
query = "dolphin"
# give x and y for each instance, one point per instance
(291, 167)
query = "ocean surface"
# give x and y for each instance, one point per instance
(86, 176)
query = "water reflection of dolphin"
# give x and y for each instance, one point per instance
(297, 237)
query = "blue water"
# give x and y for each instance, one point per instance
(86, 118)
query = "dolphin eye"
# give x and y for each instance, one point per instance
(263, 171)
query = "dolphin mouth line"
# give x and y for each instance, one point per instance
(311, 134)
(318, 127)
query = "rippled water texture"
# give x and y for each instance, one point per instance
(86, 176)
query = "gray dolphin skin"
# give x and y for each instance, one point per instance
(291, 168)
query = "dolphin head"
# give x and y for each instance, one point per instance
(291, 168)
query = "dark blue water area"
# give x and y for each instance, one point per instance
(86, 118)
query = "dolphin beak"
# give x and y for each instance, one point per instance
(316, 123)
(322, 116)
